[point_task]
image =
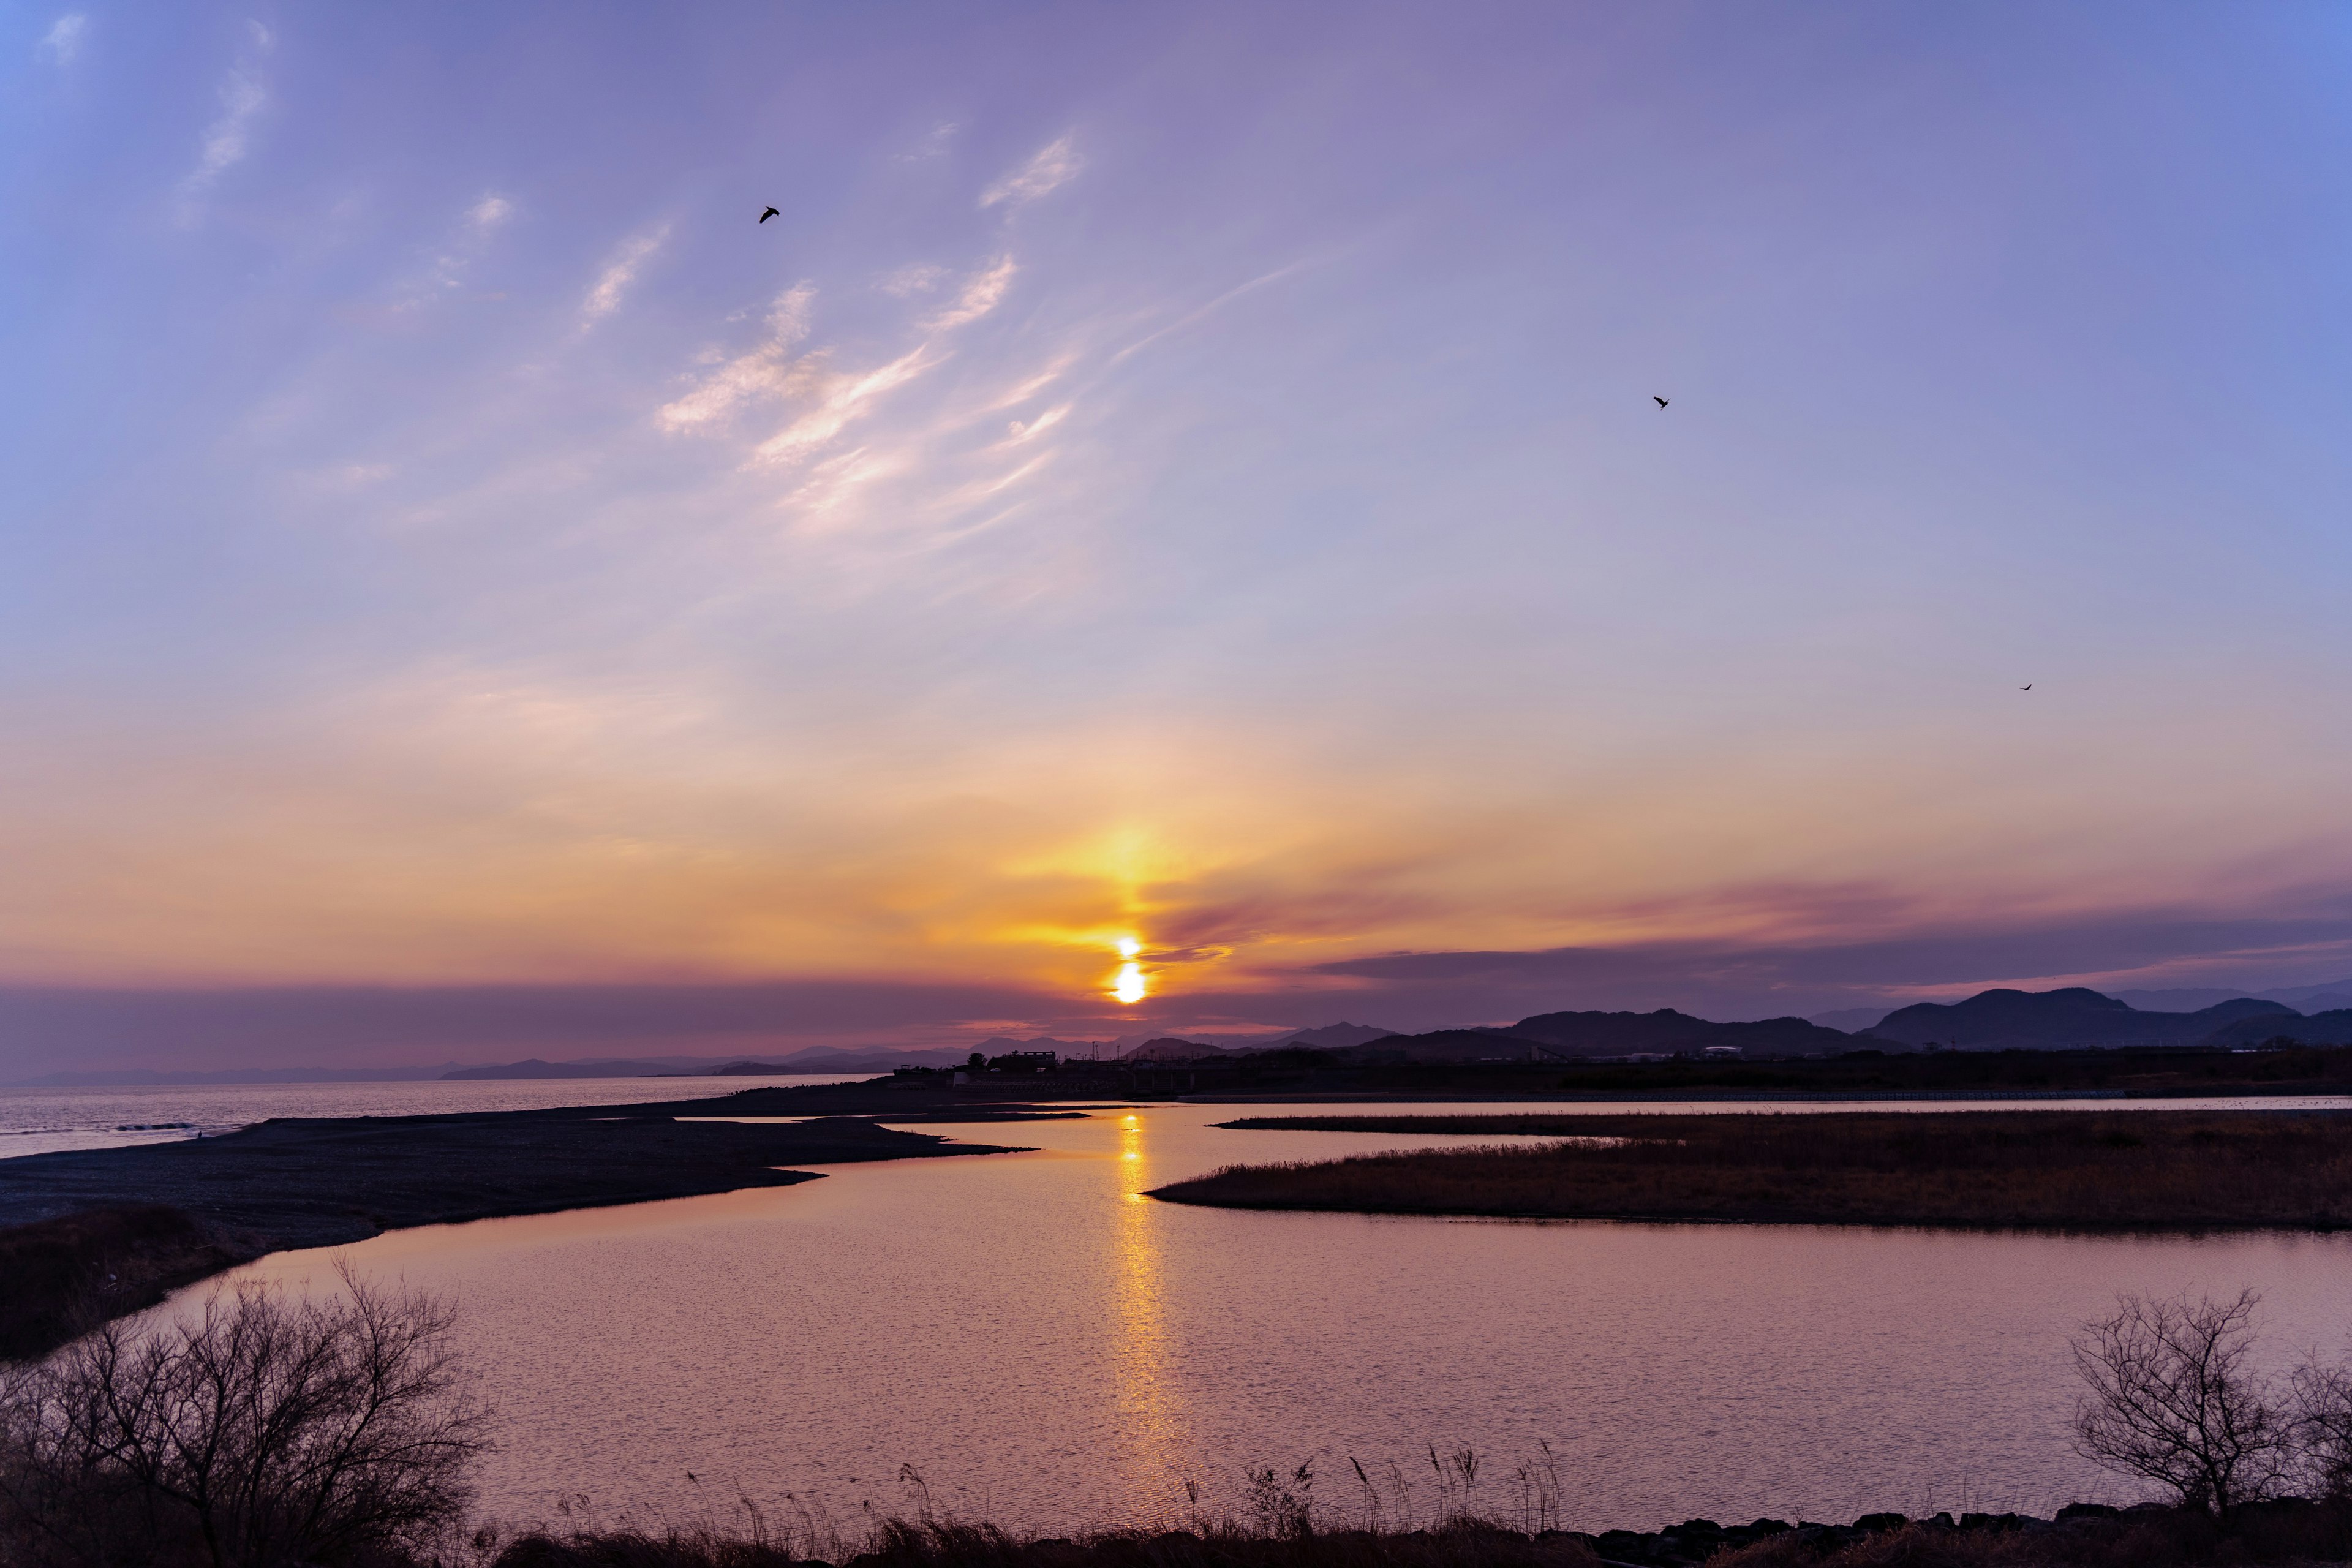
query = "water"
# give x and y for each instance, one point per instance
(1051, 1348)
(42, 1121)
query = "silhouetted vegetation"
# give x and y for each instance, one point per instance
(260, 1433)
(901, 1543)
(69, 1274)
(2150, 1071)
(2067, 1169)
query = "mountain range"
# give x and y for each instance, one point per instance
(2074, 1015)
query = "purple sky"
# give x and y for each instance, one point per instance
(1177, 474)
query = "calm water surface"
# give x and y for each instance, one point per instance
(1049, 1348)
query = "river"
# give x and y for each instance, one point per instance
(1048, 1348)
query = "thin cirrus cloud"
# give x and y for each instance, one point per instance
(229, 138)
(765, 372)
(983, 294)
(920, 277)
(621, 271)
(1055, 164)
(445, 272)
(833, 398)
(63, 41)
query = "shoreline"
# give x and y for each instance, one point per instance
(87, 1236)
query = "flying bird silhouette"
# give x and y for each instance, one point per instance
(768, 214)
(2027, 687)
(1656, 399)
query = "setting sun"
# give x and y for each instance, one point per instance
(1130, 985)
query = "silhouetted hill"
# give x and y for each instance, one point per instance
(2182, 999)
(1451, 1046)
(2324, 997)
(1623, 1034)
(2045, 1020)
(1169, 1048)
(2330, 1028)
(1849, 1020)
(2326, 1002)
(844, 1061)
(1336, 1036)
(535, 1069)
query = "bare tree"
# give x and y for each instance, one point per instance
(2323, 1427)
(2172, 1400)
(263, 1432)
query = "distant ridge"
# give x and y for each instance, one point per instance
(1169, 1049)
(536, 1068)
(2184, 999)
(1338, 1037)
(2048, 1020)
(2333, 1028)
(1620, 1034)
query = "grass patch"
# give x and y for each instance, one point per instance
(2158, 1169)
(67, 1274)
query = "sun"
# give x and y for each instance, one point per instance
(1130, 988)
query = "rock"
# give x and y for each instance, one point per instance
(1871, 1523)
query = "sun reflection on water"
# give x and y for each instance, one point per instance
(1149, 1418)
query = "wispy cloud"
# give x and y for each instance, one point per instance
(840, 400)
(934, 142)
(919, 279)
(1054, 166)
(768, 370)
(1218, 303)
(980, 295)
(833, 398)
(619, 273)
(463, 248)
(229, 137)
(62, 42)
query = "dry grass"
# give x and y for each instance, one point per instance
(2286, 1532)
(902, 1544)
(2154, 1169)
(2283, 1533)
(64, 1275)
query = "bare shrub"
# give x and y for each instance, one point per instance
(2171, 1400)
(265, 1432)
(2322, 1428)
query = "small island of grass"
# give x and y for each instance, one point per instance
(2171, 1171)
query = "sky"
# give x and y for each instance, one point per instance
(1181, 476)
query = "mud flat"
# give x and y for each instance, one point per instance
(90, 1234)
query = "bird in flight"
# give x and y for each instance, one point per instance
(768, 214)
(2027, 687)
(1656, 399)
